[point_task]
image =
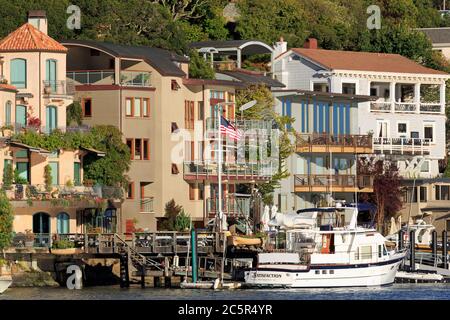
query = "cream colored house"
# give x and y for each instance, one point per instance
(147, 94)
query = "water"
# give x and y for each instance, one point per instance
(394, 292)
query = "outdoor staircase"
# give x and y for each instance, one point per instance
(137, 260)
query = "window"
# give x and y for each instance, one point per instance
(51, 118)
(8, 113)
(130, 191)
(423, 194)
(410, 195)
(201, 110)
(380, 251)
(146, 150)
(137, 149)
(428, 132)
(173, 127)
(191, 192)
(442, 192)
(50, 73)
(54, 166)
(320, 87)
(425, 167)
(22, 169)
(87, 107)
(137, 107)
(366, 252)
(21, 154)
(175, 169)
(217, 94)
(146, 107)
(77, 174)
(189, 114)
(349, 88)
(174, 85)
(382, 129)
(201, 191)
(130, 146)
(129, 107)
(374, 92)
(62, 226)
(402, 129)
(19, 73)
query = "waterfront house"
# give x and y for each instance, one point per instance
(147, 93)
(440, 39)
(45, 187)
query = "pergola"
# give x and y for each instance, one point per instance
(235, 47)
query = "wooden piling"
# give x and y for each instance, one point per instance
(412, 249)
(444, 249)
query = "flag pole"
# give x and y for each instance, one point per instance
(219, 167)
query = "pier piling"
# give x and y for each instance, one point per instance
(412, 248)
(434, 247)
(400, 239)
(444, 249)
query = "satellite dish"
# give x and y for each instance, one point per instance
(248, 105)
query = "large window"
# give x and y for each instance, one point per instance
(54, 166)
(22, 170)
(21, 116)
(139, 149)
(50, 73)
(63, 220)
(77, 173)
(189, 114)
(428, 132)
(19, 73)
(51, 118)
(137, 107)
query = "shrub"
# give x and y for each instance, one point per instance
(63, 244)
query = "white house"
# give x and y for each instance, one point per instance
(407, 118)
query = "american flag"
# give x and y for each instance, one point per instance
(227, 128)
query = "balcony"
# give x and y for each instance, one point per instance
(59, 193)
(430, 108)
(207, 170)
(56, 88)
(135, 79)
(333, 183)
(381, 106)
(319, 142)
(408, 146)
(91, 77)
(147, 205)
(231, 206)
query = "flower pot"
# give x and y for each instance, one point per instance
(66, 251)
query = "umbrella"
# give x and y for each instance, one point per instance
(274, 211)
(393, 227)
(266, 217)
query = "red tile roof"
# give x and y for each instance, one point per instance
(28, 38)
(364, 61)
(7, 87)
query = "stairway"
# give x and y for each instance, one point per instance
(137, 260)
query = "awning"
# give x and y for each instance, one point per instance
(95, 151)
(29, 148)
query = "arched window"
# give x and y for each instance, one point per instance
(8, 107)
(19, 73)
(63, 220)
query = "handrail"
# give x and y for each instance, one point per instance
(136, 256)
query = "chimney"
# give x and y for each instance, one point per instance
(38, 19)
(279, 47)
(311, 43)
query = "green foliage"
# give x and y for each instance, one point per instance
(6, 221)
(18, 179)
(199, 67)
(8, 176)
(108, 170)
(48, 179)
(182, 221)
(63, 244)
(172, 211)
(74, 114)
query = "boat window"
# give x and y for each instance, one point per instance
(317, 272)
(331, 271)
(385, 253)
(380, 251)
(324, 271)
(366, 252)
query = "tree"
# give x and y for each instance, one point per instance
(263, 110)
(6, 222)
(386, 188)
(74, 114)
(48, 177)
(182, 221)
(172, 210)
(199, 68)
(8, 176)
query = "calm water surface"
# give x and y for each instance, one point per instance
(395, 292)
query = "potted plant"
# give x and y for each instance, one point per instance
(64, 247)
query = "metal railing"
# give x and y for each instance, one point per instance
(405, 107)
(38, 192)
(56, 88)
(91, 77)
(333, 180)
(401, 145)
(324, 139)
(135, 79)
(380, 106)
(243, 125)
(231, 206)
(430, 108)
(232, 170)
(147, 204)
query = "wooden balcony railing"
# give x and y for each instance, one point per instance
(334, 181)
(347, 143)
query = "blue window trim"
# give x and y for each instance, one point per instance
(289, 112)
(321, 107)
(341, 118)
(347, 119)
(327, 118)
(314, 116)
(335, 119)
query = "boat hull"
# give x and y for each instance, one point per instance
(325, 276)
(5, 283)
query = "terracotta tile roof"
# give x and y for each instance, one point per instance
(364, 61)
(28, 38)
(7, 87)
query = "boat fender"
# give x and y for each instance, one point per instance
(325, 243)
(216, 284)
